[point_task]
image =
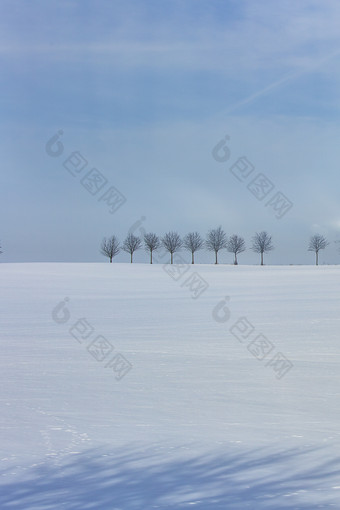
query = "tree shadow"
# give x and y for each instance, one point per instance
(134, 478)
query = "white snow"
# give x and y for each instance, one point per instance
(198, 422)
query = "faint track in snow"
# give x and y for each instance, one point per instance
(60, 438)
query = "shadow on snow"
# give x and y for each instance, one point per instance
(132, 478)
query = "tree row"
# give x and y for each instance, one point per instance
(215, 241)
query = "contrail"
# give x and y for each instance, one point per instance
(276, 84)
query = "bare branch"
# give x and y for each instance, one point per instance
(216, 241)
(151, 243)
(262, 243)
(316, 243)
(236, 245)
(110, 247)
(193, 242)
(131, 244)
(172, 243)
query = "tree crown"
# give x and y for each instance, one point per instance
(262, 242)
(193, 242)
(110, 247)
(216, 239)
(132, 243)
(236, 244)
(317, 242)
(151, 242)
(172, 242)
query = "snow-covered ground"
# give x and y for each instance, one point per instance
(204, 387)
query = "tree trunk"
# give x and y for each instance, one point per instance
(172, 258)
(235, 261)
(111, 260)
(131, 257)
(150, 256)
(262, 259)
(216, 257)
(192, 258)
(317, 258)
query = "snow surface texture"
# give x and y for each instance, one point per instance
(206, 418)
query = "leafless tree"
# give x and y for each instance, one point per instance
(262, 243)
(193, 242)
(316, 243)
(110, 247)
(131, 244)
(172, 243)
(236, 245)
(216, 241)
(151, 243)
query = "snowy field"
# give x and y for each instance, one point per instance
(187, 387)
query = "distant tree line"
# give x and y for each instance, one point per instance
(215, 241)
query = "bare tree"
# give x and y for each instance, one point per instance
(151, 243)
(236, 245)
(172, 243)
(193, 242)
(216, 241)
(131, 244)
(110, 247)
(316, 243)
(262, 243)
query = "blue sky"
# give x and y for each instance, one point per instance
(144, 91)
